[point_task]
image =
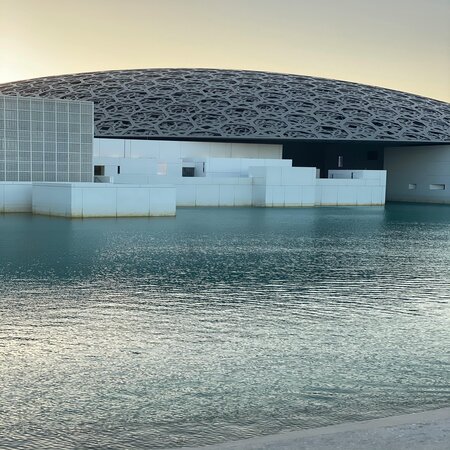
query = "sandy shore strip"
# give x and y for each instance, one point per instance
(418, 431)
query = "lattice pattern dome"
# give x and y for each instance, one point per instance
(228, 104)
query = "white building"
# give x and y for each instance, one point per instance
(51, 164)
(166, 138)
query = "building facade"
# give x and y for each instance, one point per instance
(45, 139)
(223, 138)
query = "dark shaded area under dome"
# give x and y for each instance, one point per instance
(207, 104)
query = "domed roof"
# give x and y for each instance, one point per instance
(230, 104)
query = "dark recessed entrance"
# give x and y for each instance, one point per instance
(335, 155)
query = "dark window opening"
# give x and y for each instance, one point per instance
(118, 170)
(188, 171)
(99, 171)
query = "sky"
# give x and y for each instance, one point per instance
(398, 44)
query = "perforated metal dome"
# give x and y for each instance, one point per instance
(228, 104)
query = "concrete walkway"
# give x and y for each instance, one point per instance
(420, 431)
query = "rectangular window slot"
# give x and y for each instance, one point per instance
(99, 171)
(412, 186)
(118, 170)
(188, 171)
(437, 187)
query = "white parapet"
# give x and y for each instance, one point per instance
(103, 200)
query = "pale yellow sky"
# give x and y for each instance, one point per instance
(398, 44)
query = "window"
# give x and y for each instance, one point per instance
(437, 187)
(118, 170)
(99, 171)
(188, 171)
(412, 186)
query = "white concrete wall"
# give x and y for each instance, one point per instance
(169, 150)
(352, 187)
(298, 186)
(221, 191)
(136, 170)
(15, 196)
(270, 186)
(102, 200)
(239, 167)
(283, 186)
(414, 173)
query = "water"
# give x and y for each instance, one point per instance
(219, 324)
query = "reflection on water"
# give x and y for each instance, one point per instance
(219, 324)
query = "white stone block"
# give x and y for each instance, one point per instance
(99, 202)
(255, 171)
(308, 195)
(174, 169)
(273, 176)
(169, 150)
(290, 176)
(195, 149)
(259, 181)
(307, 175)
(270, 151)
(2, 197)
(259, 196)
(226, 195)
(133, 201)
(269, 196)
(143, 149)
(243, 150)
(220, 150)
(243, 195)
(346, 195)
(112, 148)
(292, 196)
(278, 196)
(207, 195)
(96, 147)
(329, 195)
(162, 200)
(186, 195)
(372, 182)
(378, 195)
(369, 174)
(364, 195)
(76, 201)
(17, 197)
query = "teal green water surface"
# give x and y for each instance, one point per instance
(219, 324)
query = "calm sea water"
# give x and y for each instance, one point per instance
(219, 324)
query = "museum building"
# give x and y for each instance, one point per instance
(142, 142)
